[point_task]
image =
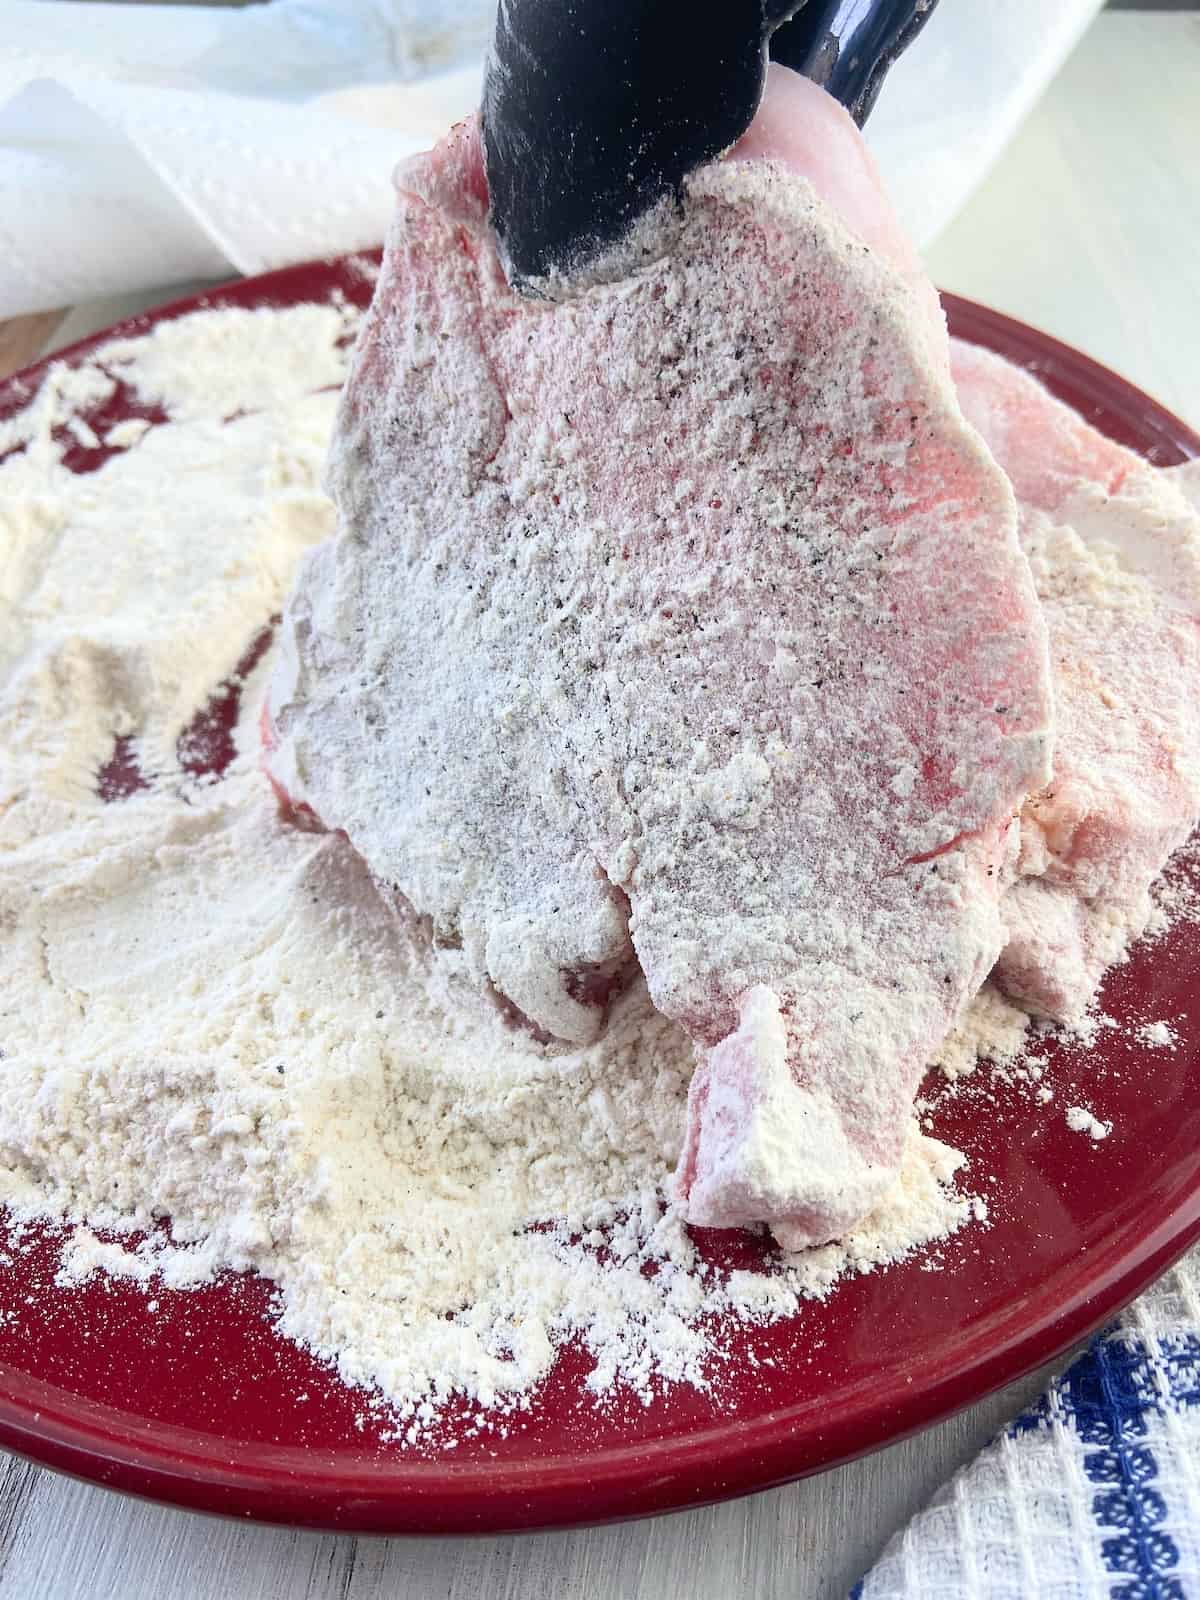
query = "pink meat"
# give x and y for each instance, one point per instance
(1115, 552)
(681, 618)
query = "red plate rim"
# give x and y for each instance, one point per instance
(310, 1487)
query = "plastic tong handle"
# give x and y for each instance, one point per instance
(594, 110)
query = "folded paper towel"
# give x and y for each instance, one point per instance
(175, 143)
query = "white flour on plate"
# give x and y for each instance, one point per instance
(1157, 1036)
(212, 1016)
(1081, 1120)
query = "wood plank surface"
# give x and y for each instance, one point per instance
(23, 338)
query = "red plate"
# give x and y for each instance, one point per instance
(202, 1404)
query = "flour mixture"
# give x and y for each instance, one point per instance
(213, 1016)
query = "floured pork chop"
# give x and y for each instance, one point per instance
(681, 618)
(1115, 552)
(1186, 478)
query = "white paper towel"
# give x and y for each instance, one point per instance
(146, 145)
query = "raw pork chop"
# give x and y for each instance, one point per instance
(1115, 552)
(681, 617)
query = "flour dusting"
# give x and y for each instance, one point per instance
(1158, 1035)
(663, 627)
(990, 1029)
(219, 1019)
(1081, 1120)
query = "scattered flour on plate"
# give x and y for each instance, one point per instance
(1081, 1120)
(210, 1016)
(1157, 1035)
(990, 1029)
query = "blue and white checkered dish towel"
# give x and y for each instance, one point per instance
(1093, 1493)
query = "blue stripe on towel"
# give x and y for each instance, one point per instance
(1106, 1396)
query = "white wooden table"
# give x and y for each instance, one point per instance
(1090, 228)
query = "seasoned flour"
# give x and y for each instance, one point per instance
(212, 1016)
